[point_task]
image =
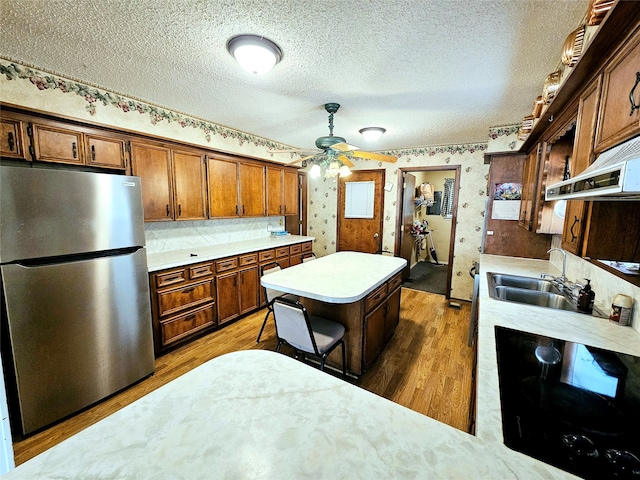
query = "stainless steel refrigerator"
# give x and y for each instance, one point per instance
(76, 315)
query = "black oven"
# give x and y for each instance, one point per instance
(570, 405)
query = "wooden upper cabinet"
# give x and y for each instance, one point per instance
(12, 137)
(616, 121)
(189, 181)
(574, 220)
(223, 187)
(274, 193)
(54, 143)
(152, 164)
(251, 190)
(104, 151)
(529, 186)
(290, 191)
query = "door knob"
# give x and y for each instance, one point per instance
(375, 235)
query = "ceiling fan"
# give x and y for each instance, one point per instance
(334, 148)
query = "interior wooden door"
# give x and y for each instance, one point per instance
(408, 206)
(361, 234)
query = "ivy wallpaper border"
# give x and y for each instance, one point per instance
(94, 96)
(432, 151)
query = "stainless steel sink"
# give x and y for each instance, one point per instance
(534, 297)
(528, 283)
(532, 291)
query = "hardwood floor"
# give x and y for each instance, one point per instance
(426, 367)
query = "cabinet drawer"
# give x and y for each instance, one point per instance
(171, 277)
(376, 297)
(248, 259)
(266, 255)
(201, 270)
(282, 252)
(293, 249)
(190, 296)
(226, 264)
(306, 247)
(179, 327)
(395, 282)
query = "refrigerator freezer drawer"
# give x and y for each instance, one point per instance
(79, 331)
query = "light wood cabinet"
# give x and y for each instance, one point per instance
(59, 142)
(282, 191)
(237, 285)
(529, 187)
(574, 224)
(183, 304)
(616, 120)
(236, 189)
(12, 136)
(173, 182)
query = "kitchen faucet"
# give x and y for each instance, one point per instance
(563, 278)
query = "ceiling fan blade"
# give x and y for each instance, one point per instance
(344, 159)
(302, 159)
(344, 147)
(293, 150)
(374, 156)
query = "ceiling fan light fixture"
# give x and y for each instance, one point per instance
(344, 171)
(372, 133)
(254, 53)
(315, 171)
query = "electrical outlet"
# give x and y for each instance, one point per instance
(489, 232)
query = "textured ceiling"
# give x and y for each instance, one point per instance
(430, 72)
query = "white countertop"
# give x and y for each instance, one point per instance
(178, 258)
(258, 414)
(342, 277)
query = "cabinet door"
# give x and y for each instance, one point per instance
(573, 232)
(53, 143)
(223, 188)
(189, 186)
(374, 334)
(153, 165)
(617, 122)
(12, 138)
(529, 186)
(103, 151)
(274, 194)
(613, 231)
(290, 184)
(249, 284)
(228, 297)
(392, 317)
(252, 190)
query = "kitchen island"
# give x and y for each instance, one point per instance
(359, 290)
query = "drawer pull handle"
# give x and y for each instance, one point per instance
(171, 279)
(93, 153)
(11, 141)
(179, 210)
(188, 290)
(631, 99)
(74, 150)
(168, 210)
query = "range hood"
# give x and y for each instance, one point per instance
(615, 175)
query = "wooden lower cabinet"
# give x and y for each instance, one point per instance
(183, 304)
(381, 322)
(190, 300)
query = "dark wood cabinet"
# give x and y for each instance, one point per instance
(237, 285)
(106, 152)
(183, 304)
(236, 189)
(291, 192)
(281, 191)
(251, 188)
(189, 181)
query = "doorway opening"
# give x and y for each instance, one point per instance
(426, 221)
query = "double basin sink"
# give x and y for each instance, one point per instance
(532, 291)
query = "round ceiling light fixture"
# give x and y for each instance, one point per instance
(254, 53)
(372, 133)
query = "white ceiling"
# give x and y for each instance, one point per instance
(432, 72)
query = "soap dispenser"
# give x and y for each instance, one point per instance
(586, 296)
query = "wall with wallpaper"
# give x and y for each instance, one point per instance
(29, 87)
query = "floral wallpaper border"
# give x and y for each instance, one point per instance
(505, 130)
(94, 96)
(431, 151)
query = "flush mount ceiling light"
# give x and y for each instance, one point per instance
(254, 53)
(372, 133)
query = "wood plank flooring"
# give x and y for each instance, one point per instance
(426, 367)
